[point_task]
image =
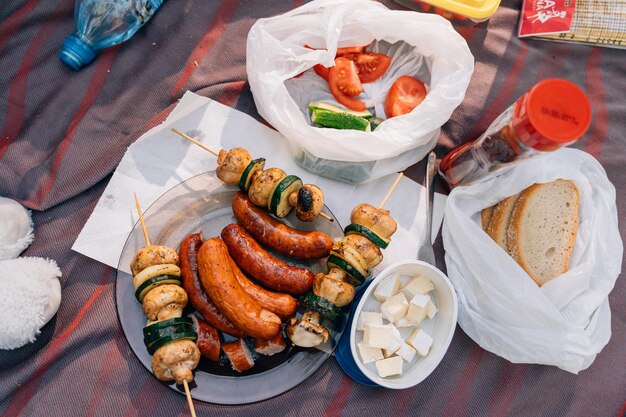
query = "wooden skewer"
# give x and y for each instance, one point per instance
(195, 142)
(189, 401)
(326, 216)
(393, 187)
(143, 225)
(145, 235)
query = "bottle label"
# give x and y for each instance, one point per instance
(541, 17)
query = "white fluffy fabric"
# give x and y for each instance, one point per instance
(16, 228)
(32, 295)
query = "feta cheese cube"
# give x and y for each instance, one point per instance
(378, 336)
(417, 307)
(369, 317)
(418, 285)
(431, 310)
(404, 322)
(420, 341)
(387, 288)
(369, 354)
(390, 366)
(394, 308)
(406, 352)
(396, 343)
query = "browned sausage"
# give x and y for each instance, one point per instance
(188, 254)
(270, 347)
(279, 236)
(239, 355)
(283, 305)
(220, 283)
(208, 339)
(258, 263)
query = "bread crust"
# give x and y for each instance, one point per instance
(485, 216)
(497, 228)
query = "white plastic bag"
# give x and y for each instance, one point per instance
(421, 45)
(567, 321)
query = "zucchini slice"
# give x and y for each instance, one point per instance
(334, 120)
(321, 305)
(155, 271)
(321, 105)
(155, 327)
(375, 122)
(248, 172)
(354, 276)
(167, 331)
(154, 282)
(278, 203)
(368, 233)
(190, 335)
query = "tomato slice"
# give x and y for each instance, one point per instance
(370, 65)
(344, 83)
(404, 95)
(321, 70)
(350, 50)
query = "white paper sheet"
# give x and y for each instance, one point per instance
(160, 159)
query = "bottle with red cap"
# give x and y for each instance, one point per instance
(552, 114)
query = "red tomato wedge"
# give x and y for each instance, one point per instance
(350, 50)
(404, 95)
(321, 70)
(370, 65)
(344, 84)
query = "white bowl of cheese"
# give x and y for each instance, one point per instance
(403, 324)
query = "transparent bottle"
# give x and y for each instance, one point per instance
(552, 114)
(101, 24)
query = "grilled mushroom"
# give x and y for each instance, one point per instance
(164, 302)
(336, 291)
(306, 331)
(262, 185)
(368, 250)
(377, 220)
(175, 361)
(230, 164)
(153, 255)
(308, 201)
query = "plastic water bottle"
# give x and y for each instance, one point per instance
(101, 24)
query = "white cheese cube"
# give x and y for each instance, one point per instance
(406, 352)
(369, 317)
(420, 341)
(387, 288)
(404, 322)
(396, 343)
(431, 310)
(369, 354)
(417, 307)
(418, 285)
(378, 336)
(390, 366)
(394, 308)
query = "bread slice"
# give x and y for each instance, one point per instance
(485, 216)
(543, 227)
(499, 221)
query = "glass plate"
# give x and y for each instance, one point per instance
(203, 203)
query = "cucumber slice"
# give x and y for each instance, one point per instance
(155, 327)
(278, 203)
(246, 175)
(321, 105)
(167, 331)
(334, 120)
(190, 335)
(321, 305)
(354, 276)
(369, 234)
(155, 271)
(375, 122)
(154, 282)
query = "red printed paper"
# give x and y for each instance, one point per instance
(540, 17)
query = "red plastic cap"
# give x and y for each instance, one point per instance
(552, 114)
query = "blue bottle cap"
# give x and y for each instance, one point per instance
(343, 353)
(76, 53)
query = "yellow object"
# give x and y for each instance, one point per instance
(474, 9)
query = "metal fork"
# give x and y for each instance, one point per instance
(426, 252)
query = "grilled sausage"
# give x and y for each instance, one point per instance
(283, 305)
(197, 295)
(239, 355)
(278, 236)
(258, 263)
(222, 287)
(208, 339)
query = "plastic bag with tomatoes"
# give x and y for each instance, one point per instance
(282, 52)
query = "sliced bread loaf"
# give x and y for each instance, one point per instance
(485, 216)
(542, 229)
(497, 228)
